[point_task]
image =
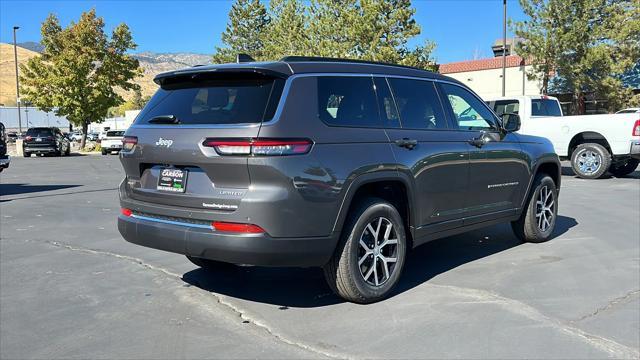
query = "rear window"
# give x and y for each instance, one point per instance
(505, 106)
(39, 132)
(347, 101)
(545, 107)
(115, 133)
(240, 99)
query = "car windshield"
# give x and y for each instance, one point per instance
(115, 133)
(628, 111)
(39, 132)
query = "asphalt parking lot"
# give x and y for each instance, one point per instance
(70, 287)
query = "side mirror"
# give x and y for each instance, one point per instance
(510, 122)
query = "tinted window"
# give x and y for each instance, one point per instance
(469, 112)
(347, 101)
(545, 107)
(505, 106)
(115, 133)
(39, 132)
(418, 104)
(216, 101)
(388, 110)
(629, 111)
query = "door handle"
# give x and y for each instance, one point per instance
(407, 143)
(481, 140)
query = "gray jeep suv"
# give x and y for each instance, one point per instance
(339, 164)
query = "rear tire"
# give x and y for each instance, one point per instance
(26, 154)
(369, 259)
(209, 265)
(538, 218)
(624, 169)
(590, 161)
(104, 152)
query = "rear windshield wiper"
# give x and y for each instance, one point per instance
(164, 119)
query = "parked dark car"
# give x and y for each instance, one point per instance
(4, 158)
(45, 140)
(339, 164)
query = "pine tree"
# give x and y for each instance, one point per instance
(589, 44)
(248, 19)
(288, 32)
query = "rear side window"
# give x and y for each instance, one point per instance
(505, 106)
(39, 132)
(347, 101)
(545, 107)
(418, 104)
(228, 100)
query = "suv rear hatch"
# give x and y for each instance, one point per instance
(40, 138)
(171, 165)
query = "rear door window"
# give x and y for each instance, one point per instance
(347, 101)
(418, 104)
(230, 100)
(545, 107)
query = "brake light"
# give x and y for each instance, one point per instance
(128, 142)
(636, 128)
(259, 147)
(237, 227)
(126, 212)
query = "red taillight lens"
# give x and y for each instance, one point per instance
(260, 147)
(126, 212)
(128, 142)
(636, 128)
(237, 227)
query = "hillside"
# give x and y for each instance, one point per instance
(8, 73)
(152, 64)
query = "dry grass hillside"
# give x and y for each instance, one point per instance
(151, 63)
(8, 72)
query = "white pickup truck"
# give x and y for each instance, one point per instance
(112, 141)
(594, 143)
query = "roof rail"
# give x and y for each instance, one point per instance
(329, 59)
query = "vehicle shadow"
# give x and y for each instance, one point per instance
(306, 287)
(15, 189)
(568, 171)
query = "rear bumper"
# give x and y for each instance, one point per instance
(4, 161)
(197, 241)
(634, 151)
(39, 149)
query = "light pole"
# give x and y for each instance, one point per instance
(15, 58)
(504, 47)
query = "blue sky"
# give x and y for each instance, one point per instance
(459, 27)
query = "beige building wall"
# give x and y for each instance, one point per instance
(488, 83)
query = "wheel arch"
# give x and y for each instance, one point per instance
(587, 137)
(388, 185)
(550, 166)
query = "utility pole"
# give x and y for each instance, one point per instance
(504, 48)
(15, 58)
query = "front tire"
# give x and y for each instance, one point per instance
(625, 168)
(590, 161)
(538, 218)
(26, 154)
(371, 254)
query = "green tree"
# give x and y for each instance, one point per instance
(287, 34)
(589, 44)
(80, 69)
(244, 33)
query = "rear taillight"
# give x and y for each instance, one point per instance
(129, 142)
(126, 212)
(636, 128)
(237, 228)
(260, 147)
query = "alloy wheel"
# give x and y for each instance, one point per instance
(377, 253)
(545, 209)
